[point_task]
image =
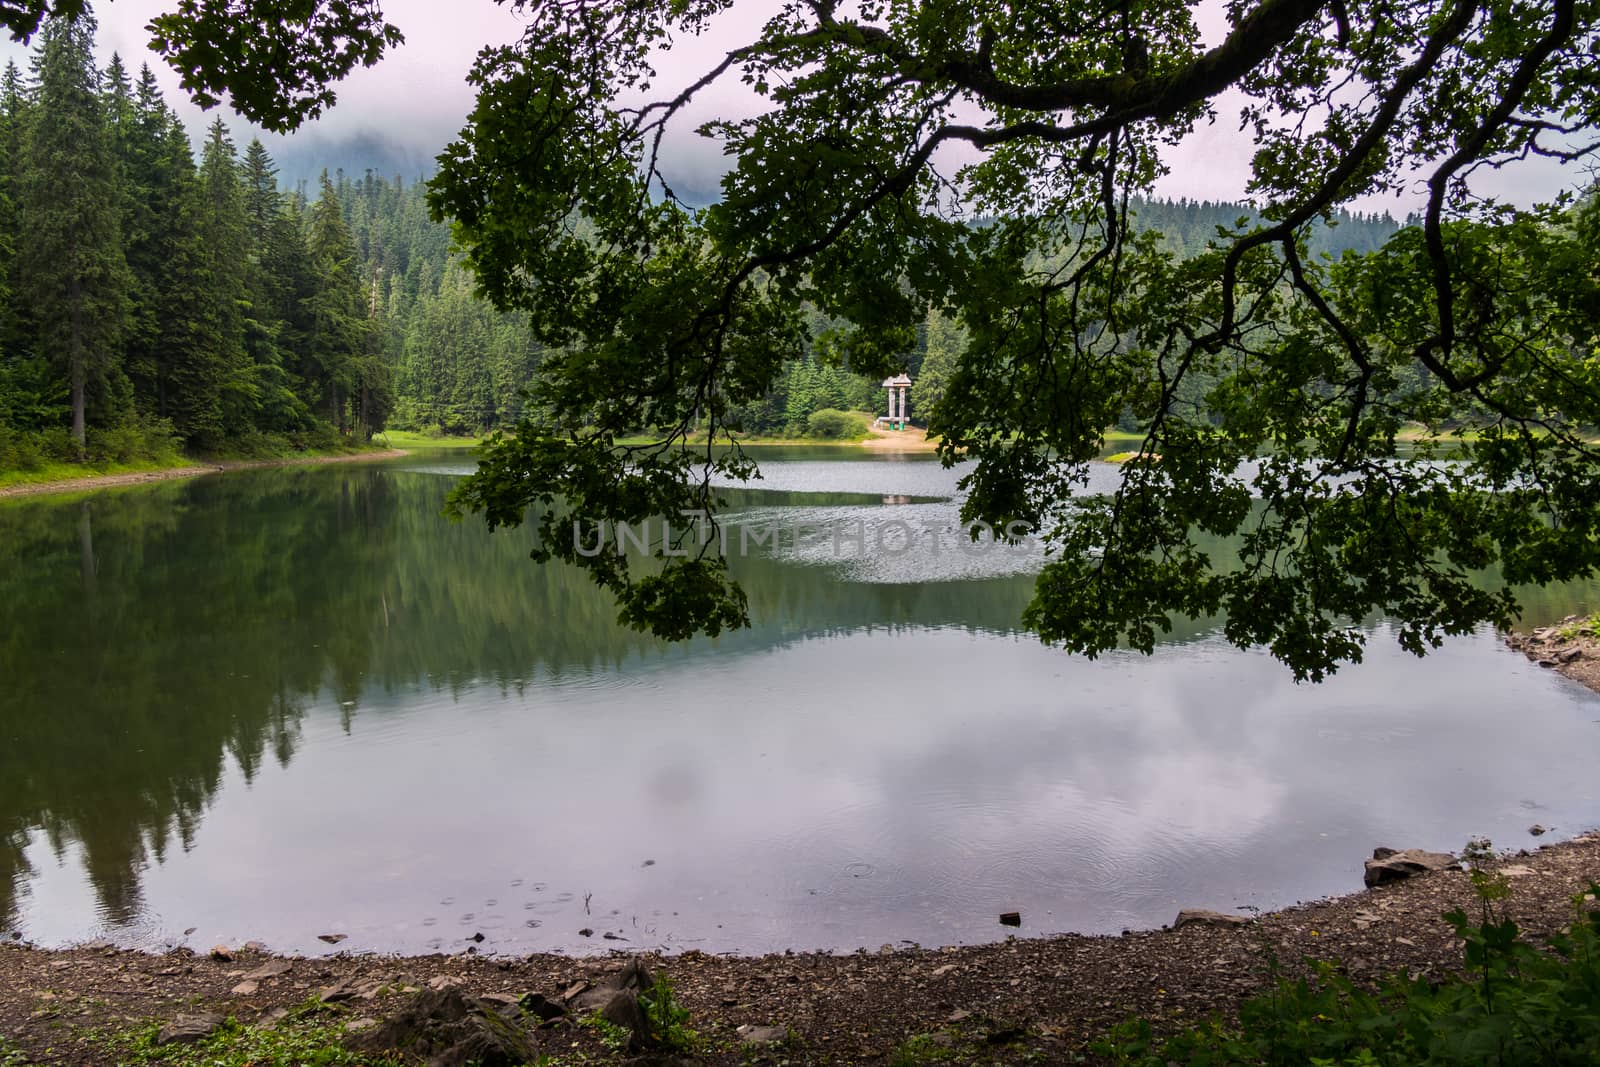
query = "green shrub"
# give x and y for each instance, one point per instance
(1516, 1005)
(146, 440)
(668, 1018)
(56, 445)
(835, 425)
(20, 451)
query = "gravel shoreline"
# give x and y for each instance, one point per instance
(110, 481)
(1021, 1000)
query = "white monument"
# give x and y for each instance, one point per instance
(899, 402)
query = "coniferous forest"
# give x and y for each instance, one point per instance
(158, 298)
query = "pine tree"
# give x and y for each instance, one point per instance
(945, 343)
(275, 263)
(225, 252)
(337, 326)
(14, 121)
(73, 277)
(145, 178)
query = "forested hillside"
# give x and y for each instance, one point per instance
(154, 297)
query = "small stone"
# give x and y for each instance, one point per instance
(1517, 870)
(442, 982)
(960, 1015)
(343, 990)
(501, 1000)
(222, 953)
(333, 939)
(271, 1019)
(1011, 918)
(940, 972)
(246, 988)
(1547, 663)
(355, 1026)
(1570, 655)
(609, 936)
(1537, 830)
(586, 932)
(1364, 919)
(190, 1028)
(478, 937)
(574, 989)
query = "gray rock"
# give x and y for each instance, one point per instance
(635, 976)
(1538, 830)
(189, 1028)
(1202, 917)
(270, 969)
(762, 1035)
(345, 990)
(625, 1011)
(500, 1000)
(1388, 865)
(246, 988)
(446, 1029)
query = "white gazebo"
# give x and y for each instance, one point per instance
(899, 402)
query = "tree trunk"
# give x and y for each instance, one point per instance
(78, 372)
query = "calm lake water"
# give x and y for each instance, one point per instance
(277, 704)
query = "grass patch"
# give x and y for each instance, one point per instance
(413, 439)
(56, 471)
(294, 1043)
(1589, 627)
(924, 1048)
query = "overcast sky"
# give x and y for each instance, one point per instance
(416, 99)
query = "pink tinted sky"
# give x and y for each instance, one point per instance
(417, 97)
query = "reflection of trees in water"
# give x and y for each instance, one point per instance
(150, 635)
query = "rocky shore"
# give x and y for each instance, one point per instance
(1017, 1001)
(1571, 648)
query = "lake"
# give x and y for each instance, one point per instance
(276, 704)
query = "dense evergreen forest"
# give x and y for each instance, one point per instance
(155, 299)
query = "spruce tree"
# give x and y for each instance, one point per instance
(72, 276)
(225, 251)
(337, 315)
